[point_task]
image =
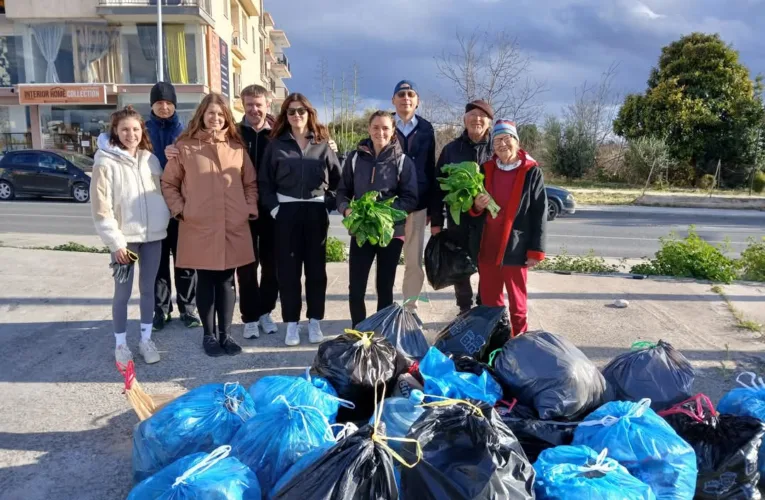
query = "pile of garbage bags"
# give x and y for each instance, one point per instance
(480, 415)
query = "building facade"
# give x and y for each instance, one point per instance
(66, 65)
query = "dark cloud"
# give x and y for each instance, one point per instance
(569, 41)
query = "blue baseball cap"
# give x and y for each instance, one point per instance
(405, 85)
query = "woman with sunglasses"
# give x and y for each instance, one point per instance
(297, 179)
(131, 218)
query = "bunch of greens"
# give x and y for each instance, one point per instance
(371, 220)
(463, 183)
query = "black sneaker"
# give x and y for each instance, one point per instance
(212, 347)
(159, 322)
(190, 319)
(229, 346)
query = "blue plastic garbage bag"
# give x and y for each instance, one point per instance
(398, 415)
(567, 472)
(400, 327)
(299, 391)
(645, 444)
(199, 421)
(274, 439)
(442, 379)
(747, 401)
(201, 476)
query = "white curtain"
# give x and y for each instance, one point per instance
(94, 43)
(49, 38)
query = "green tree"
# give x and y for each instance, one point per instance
(701, 98)
(568, 149)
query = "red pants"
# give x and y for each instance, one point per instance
(493, 280)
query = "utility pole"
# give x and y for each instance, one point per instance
(160, 47)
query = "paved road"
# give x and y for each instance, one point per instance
(630, 232)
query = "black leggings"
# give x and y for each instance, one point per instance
(216, 295)
(359, 264)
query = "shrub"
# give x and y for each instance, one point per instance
(336, 250)
(691, 257)
(589, 263)
(77, 247)
(758, 183)
(706, 181)
(753, 261)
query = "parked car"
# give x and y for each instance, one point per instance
(37, 172)
(559, 201)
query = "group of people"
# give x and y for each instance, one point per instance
(225, 198)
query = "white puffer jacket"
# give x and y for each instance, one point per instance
(126, 197)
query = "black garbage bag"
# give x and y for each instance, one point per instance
(357, 468)
(536, 435)
(355, 363)
(467, 453)
(726, 448)
(655, 371)
(475, 333)
(550, 374)
(400, 327)
(446, 262)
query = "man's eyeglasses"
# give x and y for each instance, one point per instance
(411, 94)
(297, 111)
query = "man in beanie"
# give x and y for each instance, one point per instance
(515, 240)
(472, 145)
(418, 141)
(164, 127)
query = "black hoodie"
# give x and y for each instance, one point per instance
(379, 173)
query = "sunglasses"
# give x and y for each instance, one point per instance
(411, 94)
(297, 111)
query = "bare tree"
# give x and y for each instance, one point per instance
(323, 71)
(490, 65)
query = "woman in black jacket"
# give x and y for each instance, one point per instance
(378, 164)
(297, 179)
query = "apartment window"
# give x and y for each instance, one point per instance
(180, 59)
(254, 45)
(244, 28)
(11, 61)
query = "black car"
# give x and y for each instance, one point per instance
(559, 201)
(51, 173)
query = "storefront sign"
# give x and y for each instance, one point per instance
(224, 75)
(62, 94)
(213, 64)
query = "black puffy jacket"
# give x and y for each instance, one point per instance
(391, 173)
(288, 171)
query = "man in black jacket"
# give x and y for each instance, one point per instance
(256, 302)
(472, 145)
(418, 141)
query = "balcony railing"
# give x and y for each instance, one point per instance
(271, 85)
(202, 4)
(236, 40)
(284, 61)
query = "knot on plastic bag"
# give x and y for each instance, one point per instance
(636, 411)
(755, 382)
(213, 458)
(382, 439)
(452, 401)
(365, 338)
(300, 410)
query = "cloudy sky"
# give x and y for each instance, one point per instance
(569, 41)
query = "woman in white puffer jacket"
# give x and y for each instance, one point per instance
(131, 218)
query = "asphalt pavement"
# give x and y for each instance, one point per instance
(615, 231)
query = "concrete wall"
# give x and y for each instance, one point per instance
(50, 9)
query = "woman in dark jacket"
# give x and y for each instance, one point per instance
(379, 165)
(298, 176)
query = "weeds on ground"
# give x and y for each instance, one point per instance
(752, 260)
(690, 257)
(336, 250)
(741, 321)
(74, 247)
(589, 263)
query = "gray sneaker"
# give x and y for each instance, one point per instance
(122, 354)
(149, 352)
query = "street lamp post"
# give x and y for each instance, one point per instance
(160, 48)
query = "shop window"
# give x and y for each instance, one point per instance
(11, 61)
(15, 129)
(180, 59)
(97, 53)
(74, 128)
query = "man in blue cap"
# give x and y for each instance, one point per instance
(418, 141)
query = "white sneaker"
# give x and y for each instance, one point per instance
(293, 334)
(149, 352)
(314, 332)
(267, 324)
(251, 330)
(122, 354)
